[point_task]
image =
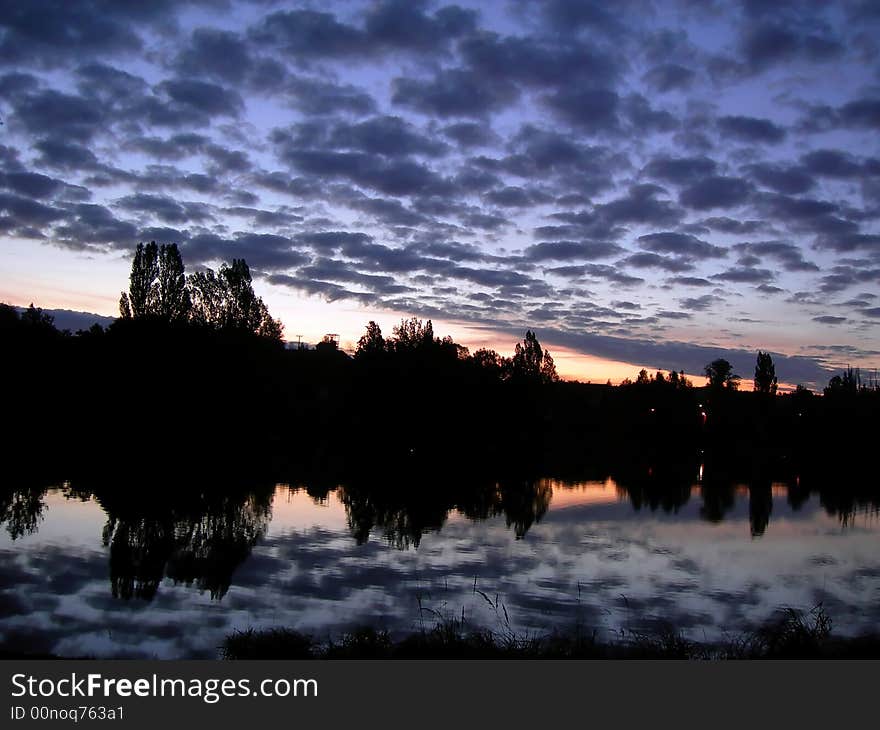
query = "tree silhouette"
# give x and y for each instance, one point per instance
(765, 374)
(242, 310)
(548, 369)
(207, 298)
(849, 383)
(411, 334)
(720, 374)
(226, 301)
(371, 342)
(36, 319)
(157, 285)
(527, 357)
(489, 360)
(531, 363)
(144, 271)
(172, 302)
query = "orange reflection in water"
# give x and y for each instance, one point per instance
(294, 508)
(572, 494)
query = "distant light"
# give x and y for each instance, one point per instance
(652, 410)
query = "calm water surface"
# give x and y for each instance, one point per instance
(78, 578)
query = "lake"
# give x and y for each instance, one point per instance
(114, 574)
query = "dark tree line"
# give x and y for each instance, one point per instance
(160, 290)
(194, 370)
(529, 364)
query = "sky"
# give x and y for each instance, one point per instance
(644, 184)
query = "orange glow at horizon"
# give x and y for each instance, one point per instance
(81, 282)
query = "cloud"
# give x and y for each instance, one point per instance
(533, 61)
(750, 129)
(262, 251)
(307, 34)
(324, 269)
(63, 155)
(669, 77)
(218, 54)
(643, 118)
(392, 177)
(745, 274)
(110, 85)
(597, 271)
(591, 110)
(715, 192)
(689, 281)
(54, 31)
(175, 147)
(165, 209)
(202, 97)
(729, 225)
(453, 93)
(641, 205)
(388, 136)
(787, 179)
(844, 276)
(861, 113)
(790, 256)
(663, 314)
(771, 42)
(680, 244)
(571, 250)
(470, 134)
(89, 224)
(680, 170)
(327, 290)
(334, 240)
(567, 17)
(701, 303)
(404, 24)
(319, 97)
(514, 196)
(42, 187)
(654, 261)
(388, 210)
(834, 164)
(53, 112)
(24, 211)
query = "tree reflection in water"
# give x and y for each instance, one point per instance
(22, 509)
(200, 545)
(198, 534)
(403, 513)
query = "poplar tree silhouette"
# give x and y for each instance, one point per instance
(765, 375)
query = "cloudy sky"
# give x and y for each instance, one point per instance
(643, 183)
